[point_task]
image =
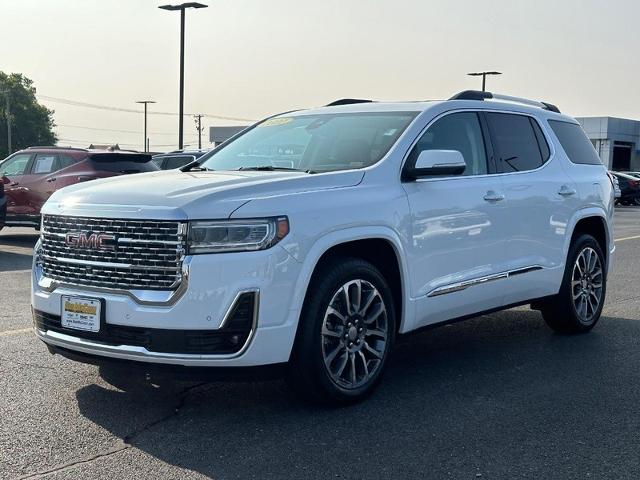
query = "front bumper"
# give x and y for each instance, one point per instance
(210, 293)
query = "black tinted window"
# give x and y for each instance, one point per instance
(123, 163)
(575, 143)
(542, 142)
(176, 162)
(458, 131)
(515, 142)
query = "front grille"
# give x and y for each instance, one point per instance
(147, 254)
(228, 340)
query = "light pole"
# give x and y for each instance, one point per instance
(182, 7)
(484, 77)
(145, 102)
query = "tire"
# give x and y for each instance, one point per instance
(574, 308)
(636, 201)
(355, 341)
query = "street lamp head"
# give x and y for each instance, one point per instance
(183, 6)
(145, 101)
(478, 74)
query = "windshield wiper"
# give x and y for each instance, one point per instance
(271, 168)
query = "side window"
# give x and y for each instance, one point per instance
(575, 143)
(177, 162)
(44, 163)
(64, 161)
(516, 143)
(15, 165)
(542, 142)
(457, 131)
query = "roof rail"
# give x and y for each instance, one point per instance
(57, 147)
(347, 101)
(478, 95)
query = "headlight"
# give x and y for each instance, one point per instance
(236, 235)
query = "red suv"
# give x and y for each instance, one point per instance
(30, 176)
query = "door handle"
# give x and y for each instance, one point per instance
(566, 191)
(492, 196)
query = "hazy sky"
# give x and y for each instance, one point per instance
(251, 58)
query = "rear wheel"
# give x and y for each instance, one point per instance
(346, 331)
(578, 305)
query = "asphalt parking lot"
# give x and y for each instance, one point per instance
(500, 396)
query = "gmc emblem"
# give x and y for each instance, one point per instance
(94, 241)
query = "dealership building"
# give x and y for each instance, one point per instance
(617, 141)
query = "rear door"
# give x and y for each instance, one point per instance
(45, 177)
(540, 198)
(14, 169)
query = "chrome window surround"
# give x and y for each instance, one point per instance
(545, 134)
(142, 354)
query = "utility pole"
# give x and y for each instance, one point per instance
(145, 142)
(181, 8)
(7, 114)
(198, 119)
(484, 77)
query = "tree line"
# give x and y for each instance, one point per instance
(23, 121)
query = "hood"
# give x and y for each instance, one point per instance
(173, 194)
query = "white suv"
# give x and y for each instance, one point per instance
(312, 239)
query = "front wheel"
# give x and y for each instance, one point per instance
(578, 305)
(637, 201)
(346, 331)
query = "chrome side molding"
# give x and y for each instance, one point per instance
(456, 287)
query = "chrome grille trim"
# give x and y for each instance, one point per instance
(148, 255)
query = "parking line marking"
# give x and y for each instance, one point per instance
(627, 238)
(15, 332)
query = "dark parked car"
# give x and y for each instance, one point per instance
(3, 204)
(177, 159)
(30, 176)
(629, 187)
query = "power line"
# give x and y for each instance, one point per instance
(118, 131)
(85, 142)
(76, 103)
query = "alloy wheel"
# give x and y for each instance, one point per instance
(354, 334)
(586, 284)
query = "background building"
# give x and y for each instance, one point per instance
(217, 135)
(617, 141)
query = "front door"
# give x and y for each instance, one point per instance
(457, 243)
(14, 169)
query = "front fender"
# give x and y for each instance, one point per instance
(334, 238)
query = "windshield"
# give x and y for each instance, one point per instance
(312, 143)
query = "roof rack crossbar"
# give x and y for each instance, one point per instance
(477, 95)
(347, 101)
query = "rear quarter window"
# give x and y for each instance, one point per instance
(575, 143)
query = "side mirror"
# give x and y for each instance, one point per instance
(437, 162)
(6, 180)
